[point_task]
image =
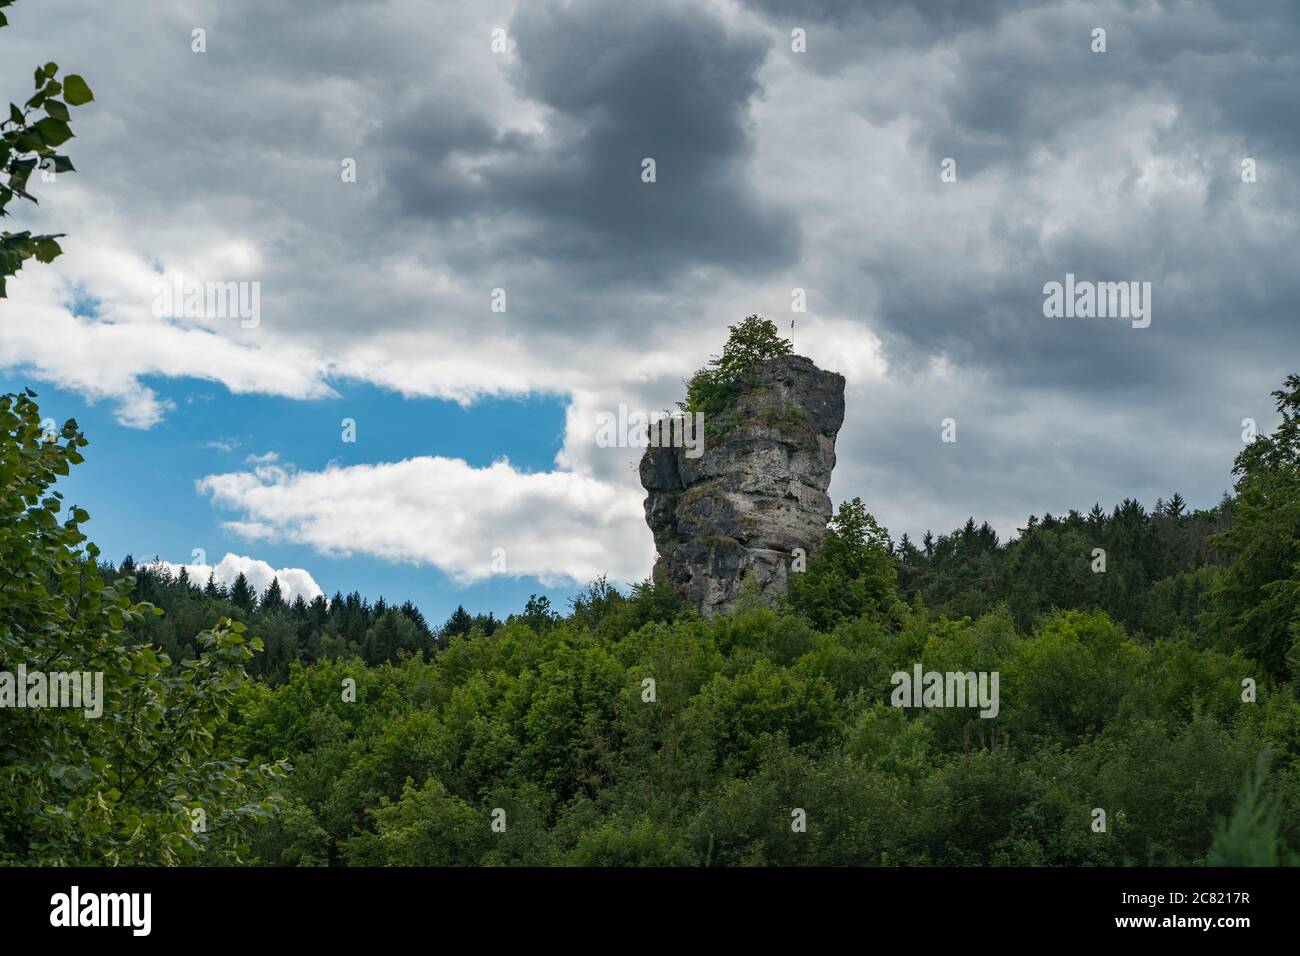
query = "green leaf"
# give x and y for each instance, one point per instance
(47, 250)
(54, 132)
(75, 90)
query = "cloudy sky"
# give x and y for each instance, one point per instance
(500, 146)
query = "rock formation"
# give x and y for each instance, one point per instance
(756, 493)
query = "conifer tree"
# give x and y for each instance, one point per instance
(272, 600)
(241, 593)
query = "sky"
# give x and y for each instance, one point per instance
(452, 264)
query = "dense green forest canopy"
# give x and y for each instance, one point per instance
(1158, 686)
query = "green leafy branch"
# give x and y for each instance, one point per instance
(29, 140)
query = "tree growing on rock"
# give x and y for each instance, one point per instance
(711, 389)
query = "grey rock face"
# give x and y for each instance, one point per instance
(757, 492)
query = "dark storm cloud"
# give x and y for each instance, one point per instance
(931, 19)
(1209, 296)
(1012, 95)
(668, 82)
(1228, 65)
(842, 33)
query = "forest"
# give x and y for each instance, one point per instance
(1148, 662)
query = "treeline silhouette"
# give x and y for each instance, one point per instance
(345, 626)
(1152, 574)
(1160, 567)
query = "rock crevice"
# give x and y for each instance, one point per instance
(756, 493)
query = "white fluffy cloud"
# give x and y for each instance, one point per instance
(469, 522)
(293, 581)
